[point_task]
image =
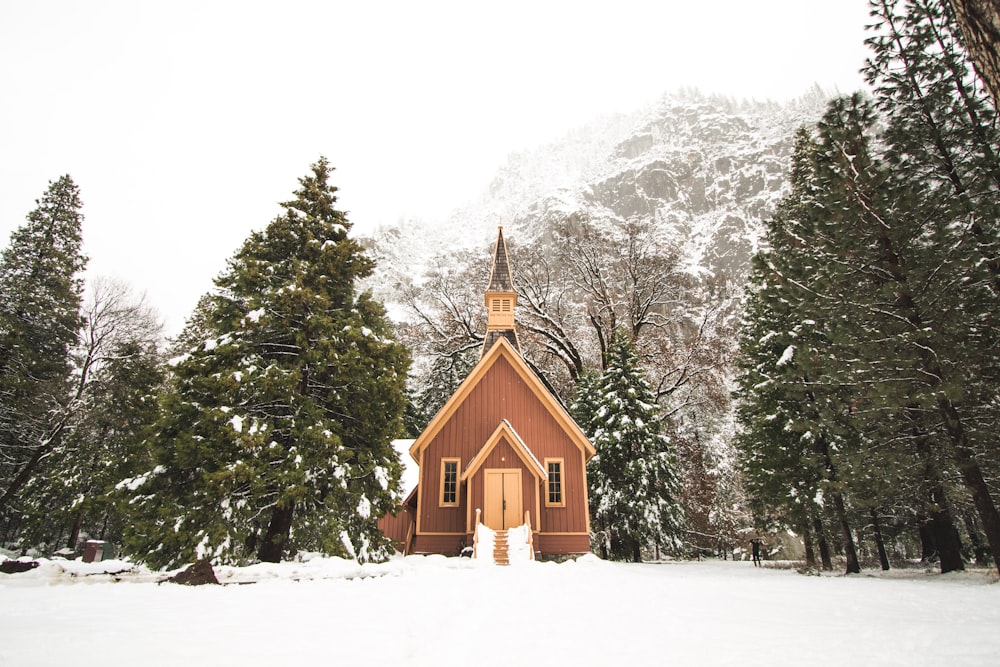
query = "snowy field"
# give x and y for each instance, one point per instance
(438, 611)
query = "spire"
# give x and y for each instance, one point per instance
(501, 299)
(500, 280)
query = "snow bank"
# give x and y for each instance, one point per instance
(517, 545)
(433, 610)
(486, 541)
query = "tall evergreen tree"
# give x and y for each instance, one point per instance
(276, 434)
(40, 295)
(633, 484)
(119, 371)
(901, 329)
(787, 443)
(944, 151)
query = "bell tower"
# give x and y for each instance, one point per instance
(501, 300)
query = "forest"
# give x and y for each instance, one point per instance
(842, 387)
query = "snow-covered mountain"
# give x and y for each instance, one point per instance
(706, 170)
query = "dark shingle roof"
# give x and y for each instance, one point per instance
(500, 279)
(493, 335)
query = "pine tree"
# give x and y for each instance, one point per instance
(119, 370)
(782, 430)
(944, 150)
(901, 330)
(276, 434)
(942, 130)
(40, 296)
(633, 485)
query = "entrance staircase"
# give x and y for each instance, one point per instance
(496, 543)
(500, 555)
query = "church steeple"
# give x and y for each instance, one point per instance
(501, 300)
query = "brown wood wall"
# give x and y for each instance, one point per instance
(396, 527)
(562, 544)
(449, 545)
(501, 394)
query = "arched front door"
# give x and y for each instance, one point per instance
(502, 498)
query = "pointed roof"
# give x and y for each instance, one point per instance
(504, 431)
(503, 349)
(501, 300)
(500, 278)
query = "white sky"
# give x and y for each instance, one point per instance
(185, 123)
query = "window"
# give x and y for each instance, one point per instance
(506, 305)
(496, 305)
(449, 482)
(554, 497)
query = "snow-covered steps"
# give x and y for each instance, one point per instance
(504, 547)
(500, 552)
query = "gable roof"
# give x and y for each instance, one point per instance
(505, 429)
(503, 349)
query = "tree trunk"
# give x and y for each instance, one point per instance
(928, 550)
(808, 544)
(945, 535)
(979, 21)
(850, 551)
(104, 527)
(636, 549)
(74, 535)
(883, 557)
(273, 545)
(824, 548)
(972, 475)
(24, 475)
(979, 550)
(940, 523)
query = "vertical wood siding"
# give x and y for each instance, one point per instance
(562, 544)
(449, 545)
(396, 527)
(501, 394)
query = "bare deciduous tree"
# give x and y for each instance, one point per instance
(112, 315)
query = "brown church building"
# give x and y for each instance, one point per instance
(502, 449)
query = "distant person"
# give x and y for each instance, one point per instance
(755, 551)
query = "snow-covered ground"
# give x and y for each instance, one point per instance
(439, 611)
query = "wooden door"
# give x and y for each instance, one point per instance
(502, 498)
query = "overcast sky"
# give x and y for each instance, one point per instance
(184, 123)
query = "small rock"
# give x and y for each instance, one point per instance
(15, 566)
(196, 575)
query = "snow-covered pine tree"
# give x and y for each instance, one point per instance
(632, 479)
(944, 148)
(119, 371)
(587, 400)
(878, 276)
(889, 270)
(276, 433)
(41, 288)
(778, 416)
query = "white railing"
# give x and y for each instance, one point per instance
(475, 537)
(520, 540)
(531, 535)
